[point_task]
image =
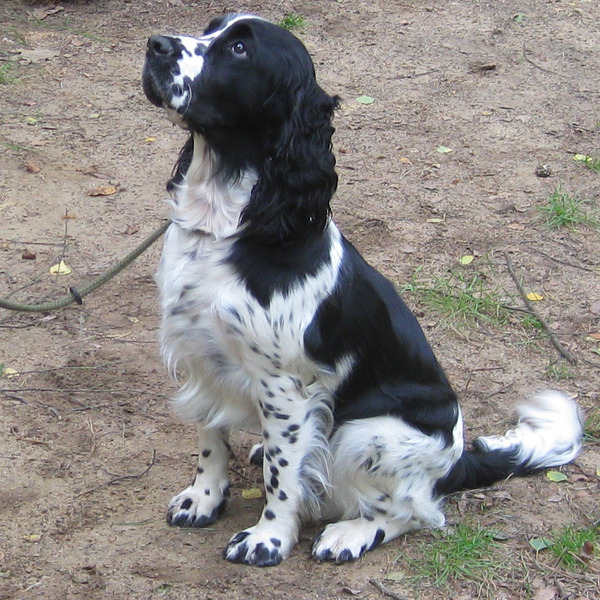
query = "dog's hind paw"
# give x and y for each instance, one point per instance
(346, 541)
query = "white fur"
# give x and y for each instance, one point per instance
(548, 432)
(383, 464)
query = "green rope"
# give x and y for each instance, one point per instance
(77, 295)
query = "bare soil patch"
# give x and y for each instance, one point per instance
(89, 452)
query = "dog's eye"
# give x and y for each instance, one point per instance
(239, 48)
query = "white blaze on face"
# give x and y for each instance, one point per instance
(190, 66)
(192, 60)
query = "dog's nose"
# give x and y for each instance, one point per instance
(159, 45)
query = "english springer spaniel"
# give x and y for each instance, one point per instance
(273, 318)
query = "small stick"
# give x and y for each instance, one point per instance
(387, 592)
(119, 478)
(565, 353)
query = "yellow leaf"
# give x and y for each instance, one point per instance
(465, 260)
(105, 190)
(33, 538)
(534, 297)
(581, 158)
(556, 476)
(61, 269)
(435, 220)
(150, 139)
(9, 372)
(251, 494)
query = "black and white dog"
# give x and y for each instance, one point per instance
(276, 320)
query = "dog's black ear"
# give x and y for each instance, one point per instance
(182, 165)
(297, 179)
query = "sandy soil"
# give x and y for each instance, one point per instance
(89, 452)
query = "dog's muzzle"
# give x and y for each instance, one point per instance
(163, 81)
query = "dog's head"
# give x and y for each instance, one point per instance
(248, 88)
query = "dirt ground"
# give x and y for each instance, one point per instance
(89, 452)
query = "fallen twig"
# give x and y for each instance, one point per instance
(565, 353)
(119, 478)
(386, 591)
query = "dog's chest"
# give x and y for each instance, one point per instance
(212, 322)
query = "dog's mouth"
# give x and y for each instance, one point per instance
(163, 83)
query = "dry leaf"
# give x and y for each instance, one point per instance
(251, 494)
(32, 168)
(28, 255)
(587, 551)
(534, 297)
(37, 55)
(131, 229)
(595, 336)
(9, 372)
(351, 592)
(104, 190)
(545, 593)
(466, 260)
(61, 269)
(516, 226)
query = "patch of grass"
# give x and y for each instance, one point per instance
(591, 162)
(558, 371)
(565, 210)
(462, 552)
(461, 299)
(591, 428)
(293, 22)
(569, 546)
(7, 73)
(531, 322)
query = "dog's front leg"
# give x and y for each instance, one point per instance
(203, 502)
(291, 434)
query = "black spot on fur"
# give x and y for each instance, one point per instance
(206, 453)
(379, 537)
(269, 514)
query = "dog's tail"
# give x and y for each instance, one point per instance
(548, 434)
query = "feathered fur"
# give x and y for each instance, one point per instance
(270, 316)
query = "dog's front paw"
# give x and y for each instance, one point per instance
(346, 541)
(196, 507)
(253, 548)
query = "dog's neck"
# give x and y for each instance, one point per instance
(206, 201)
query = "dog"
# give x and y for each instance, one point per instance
(273, 318)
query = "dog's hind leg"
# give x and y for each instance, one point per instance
(204, 500)
(384, 476)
